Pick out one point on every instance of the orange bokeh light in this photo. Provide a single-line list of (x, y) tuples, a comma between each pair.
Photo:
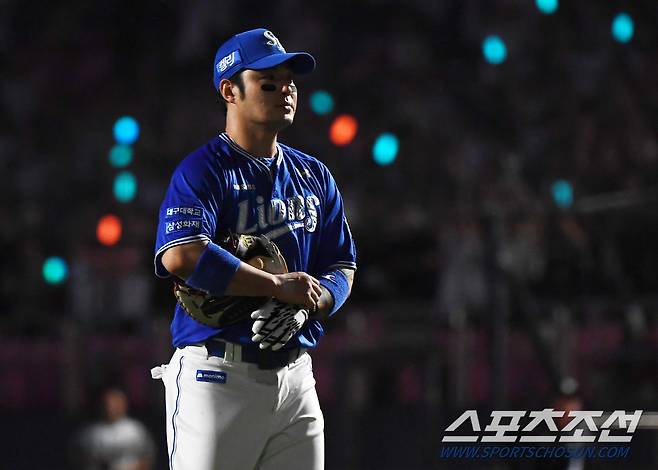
[(343, 129), (108, 230)]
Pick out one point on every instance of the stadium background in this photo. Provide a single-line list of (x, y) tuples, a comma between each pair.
[(507, 254)]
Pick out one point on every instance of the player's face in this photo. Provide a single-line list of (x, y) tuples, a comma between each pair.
[(270, 97)]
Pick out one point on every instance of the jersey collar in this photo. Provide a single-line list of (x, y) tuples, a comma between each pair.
[(242, 152)]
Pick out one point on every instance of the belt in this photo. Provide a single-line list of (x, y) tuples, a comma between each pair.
[(265, 358)]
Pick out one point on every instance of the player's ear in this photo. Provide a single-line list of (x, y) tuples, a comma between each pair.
[(226, 89)]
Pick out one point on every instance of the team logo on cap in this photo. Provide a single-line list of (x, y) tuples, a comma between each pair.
[(228, 61), (273, 41)]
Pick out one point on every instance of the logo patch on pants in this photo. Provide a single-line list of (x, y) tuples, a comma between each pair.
[(213, 376)]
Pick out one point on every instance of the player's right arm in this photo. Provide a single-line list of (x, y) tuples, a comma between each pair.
[(294, 288)]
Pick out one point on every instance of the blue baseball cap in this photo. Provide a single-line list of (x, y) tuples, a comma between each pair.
[(256, 49)]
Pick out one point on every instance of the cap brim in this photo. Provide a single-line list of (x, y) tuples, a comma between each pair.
[(300, 62)]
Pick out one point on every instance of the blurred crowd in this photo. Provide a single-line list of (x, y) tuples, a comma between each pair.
[(480, 144)]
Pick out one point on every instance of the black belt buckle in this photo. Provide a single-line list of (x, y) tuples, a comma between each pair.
[(268, 360), (216, 348)]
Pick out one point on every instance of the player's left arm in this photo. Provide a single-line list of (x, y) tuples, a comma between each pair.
[(336, 262), (326, 302)]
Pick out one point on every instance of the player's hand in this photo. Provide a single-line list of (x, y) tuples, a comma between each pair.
[(276, 323), (298, 288)]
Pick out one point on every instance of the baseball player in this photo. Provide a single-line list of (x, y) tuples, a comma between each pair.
[(242, 395)]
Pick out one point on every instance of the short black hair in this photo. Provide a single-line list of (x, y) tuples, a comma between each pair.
[(238, 79)]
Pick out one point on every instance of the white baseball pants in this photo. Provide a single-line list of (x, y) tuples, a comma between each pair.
[(229, 415)]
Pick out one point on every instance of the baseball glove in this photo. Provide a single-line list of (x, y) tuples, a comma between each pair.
[(218, 312)]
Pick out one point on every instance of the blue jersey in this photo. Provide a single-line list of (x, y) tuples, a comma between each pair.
[(292, 200)]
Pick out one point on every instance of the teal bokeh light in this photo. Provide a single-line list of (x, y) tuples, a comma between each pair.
[(494, 49), (562, 193), (125, 186), (126, 130), (385, 149), (55, 270), (623, 27), (121, 156), (548, 7), (322, 102)]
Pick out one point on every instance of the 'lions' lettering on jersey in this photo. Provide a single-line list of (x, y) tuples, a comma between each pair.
[(295, 212), (293, 201)]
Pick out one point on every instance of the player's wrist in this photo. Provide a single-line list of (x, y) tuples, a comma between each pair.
[(274, 284), (336, 288), (214, 271), (323, 307)]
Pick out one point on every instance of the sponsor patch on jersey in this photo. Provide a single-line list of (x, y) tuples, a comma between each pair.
[(303, 173), (180, 210), (213, 376), (182, 225), (244, 187)]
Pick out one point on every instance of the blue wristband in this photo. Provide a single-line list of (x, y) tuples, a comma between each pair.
[(336, 283), (214, 270)]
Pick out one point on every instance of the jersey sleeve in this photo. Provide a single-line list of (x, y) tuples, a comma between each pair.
[(189, 210), (337, 249)]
